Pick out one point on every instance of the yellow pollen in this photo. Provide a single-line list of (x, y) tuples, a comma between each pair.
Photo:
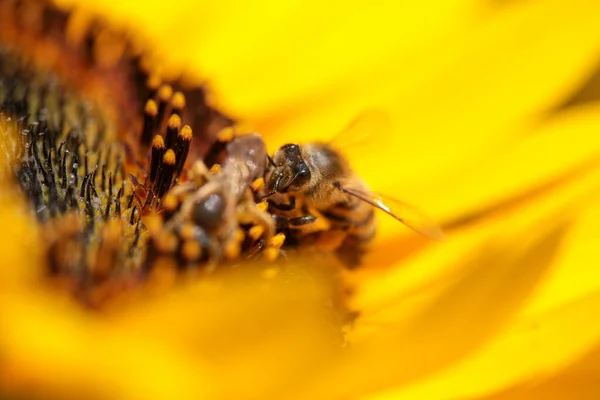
[(226, 135), (263, 205), (258, 184), (232, 250), (151, 108), (153, 223), (186, 132), (271, 253), (215, 168), (256, 231), (174, 121), (153, 82), (277, 240), (166, 242), (158, 142), (169, 157), (178, 100), (191, 250), (187, 231), (170, 202), (165, 92), (239, 235)]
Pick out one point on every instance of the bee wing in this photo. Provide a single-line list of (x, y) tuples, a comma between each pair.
[(372, 123), (409, 215)]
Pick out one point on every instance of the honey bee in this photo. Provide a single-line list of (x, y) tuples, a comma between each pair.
[(317, 198), (204, 215)]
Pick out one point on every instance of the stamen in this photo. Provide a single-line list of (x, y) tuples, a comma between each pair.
[(158, 152), (173, 127), (164, 95), (150, 117), (182, 147), (165, 175)]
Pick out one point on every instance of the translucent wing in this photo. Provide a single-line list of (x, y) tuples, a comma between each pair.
[(409, 215), (371, 126)]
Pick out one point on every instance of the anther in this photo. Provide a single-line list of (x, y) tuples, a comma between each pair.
[(256, 232), (153, 83), (178, 103)]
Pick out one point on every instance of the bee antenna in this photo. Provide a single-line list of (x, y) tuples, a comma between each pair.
[(271, 161)]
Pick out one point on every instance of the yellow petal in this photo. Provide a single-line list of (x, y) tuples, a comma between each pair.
[(539, 158), (530, 350), (233, 335)]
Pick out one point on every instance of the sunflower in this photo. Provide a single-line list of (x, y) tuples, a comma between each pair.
[(494, 113)]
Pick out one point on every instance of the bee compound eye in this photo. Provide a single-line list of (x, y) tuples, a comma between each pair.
[(208, 212)]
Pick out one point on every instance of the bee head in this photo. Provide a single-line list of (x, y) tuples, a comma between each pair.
[(289, 172)]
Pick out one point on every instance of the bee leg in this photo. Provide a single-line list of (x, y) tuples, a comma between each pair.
[(215, 255), (280, 222), (273, 249), (304, 220), (249, 213)]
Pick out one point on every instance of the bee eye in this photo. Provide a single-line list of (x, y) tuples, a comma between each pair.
[(303, 171)]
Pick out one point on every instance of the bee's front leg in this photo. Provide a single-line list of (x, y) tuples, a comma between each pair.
[(304, 220), (282, 222)]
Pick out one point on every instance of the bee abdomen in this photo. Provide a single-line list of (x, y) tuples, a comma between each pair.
[(350, 220)]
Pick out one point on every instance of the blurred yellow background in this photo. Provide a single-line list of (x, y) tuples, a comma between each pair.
[(495, 132)]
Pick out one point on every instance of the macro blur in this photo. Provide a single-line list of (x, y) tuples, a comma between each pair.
[(172, 228)]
